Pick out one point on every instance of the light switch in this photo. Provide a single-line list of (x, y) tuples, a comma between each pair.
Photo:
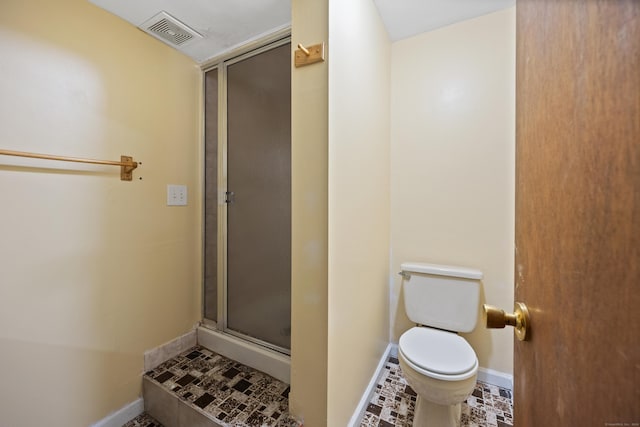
[(176, 195)]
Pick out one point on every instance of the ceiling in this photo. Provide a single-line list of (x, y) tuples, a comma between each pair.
[(406, 18), (223, 24), (215, 27)]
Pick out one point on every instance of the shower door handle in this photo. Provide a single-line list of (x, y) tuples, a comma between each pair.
[(229, 197)]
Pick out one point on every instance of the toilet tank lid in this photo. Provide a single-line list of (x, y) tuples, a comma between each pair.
[(441, 270)]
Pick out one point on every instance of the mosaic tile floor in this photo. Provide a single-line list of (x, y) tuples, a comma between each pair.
[(234, 394), (144, 420), (393, 403), (239, 396)]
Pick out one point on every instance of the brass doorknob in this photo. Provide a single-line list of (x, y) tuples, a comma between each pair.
[(497, 318)]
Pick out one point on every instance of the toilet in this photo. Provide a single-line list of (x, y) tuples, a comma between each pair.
[(438, 364)]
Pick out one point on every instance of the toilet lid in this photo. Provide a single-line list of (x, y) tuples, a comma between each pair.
[(437, 351)]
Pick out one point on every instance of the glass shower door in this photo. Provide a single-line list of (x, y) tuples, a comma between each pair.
[(258, 294)]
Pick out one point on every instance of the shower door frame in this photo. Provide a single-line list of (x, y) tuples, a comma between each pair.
[(220, 325)]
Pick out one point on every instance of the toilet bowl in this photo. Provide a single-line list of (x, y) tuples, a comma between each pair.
[(442, 369), (437, 363)]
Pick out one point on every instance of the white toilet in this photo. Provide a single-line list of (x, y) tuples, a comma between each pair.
[(438, 364)]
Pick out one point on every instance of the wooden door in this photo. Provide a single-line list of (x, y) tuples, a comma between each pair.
[(578, 212)]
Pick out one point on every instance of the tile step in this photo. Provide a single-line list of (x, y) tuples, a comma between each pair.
[(170, 410), (200, 388)]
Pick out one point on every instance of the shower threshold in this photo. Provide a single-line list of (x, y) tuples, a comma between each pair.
[(269, 361)]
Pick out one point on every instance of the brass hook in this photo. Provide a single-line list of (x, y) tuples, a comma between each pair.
[(304, 49), (309, 55)]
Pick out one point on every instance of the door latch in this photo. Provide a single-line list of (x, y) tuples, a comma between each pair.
[(229, 197), (519, 319)]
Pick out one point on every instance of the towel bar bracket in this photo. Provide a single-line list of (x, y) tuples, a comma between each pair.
[(126, 170)]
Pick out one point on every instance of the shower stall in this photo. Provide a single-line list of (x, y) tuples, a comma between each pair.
[(247, 207)]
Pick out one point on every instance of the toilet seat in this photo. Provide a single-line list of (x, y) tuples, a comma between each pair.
[(438, 354)]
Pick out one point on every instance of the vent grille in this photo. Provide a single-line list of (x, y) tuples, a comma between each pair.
[(169, 29)]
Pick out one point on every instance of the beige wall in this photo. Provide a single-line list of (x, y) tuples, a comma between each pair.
[(309, 175), (359, 207), (452, 162), (445, 195), (93, 270), (78, 306), (340, 257)]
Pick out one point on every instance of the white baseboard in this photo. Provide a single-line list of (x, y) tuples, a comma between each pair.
[(356, 418), (122, 415), (496, 378)]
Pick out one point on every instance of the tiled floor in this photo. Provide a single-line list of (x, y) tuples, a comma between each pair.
[(239, 396), (394, 401), (144, 420), (232, 393)]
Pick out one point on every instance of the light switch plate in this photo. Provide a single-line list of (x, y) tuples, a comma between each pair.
[(176, 195)]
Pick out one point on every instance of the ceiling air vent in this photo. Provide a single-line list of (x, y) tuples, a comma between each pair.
[(169, 29)]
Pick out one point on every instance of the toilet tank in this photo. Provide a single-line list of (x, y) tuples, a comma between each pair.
[(442, 296)]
